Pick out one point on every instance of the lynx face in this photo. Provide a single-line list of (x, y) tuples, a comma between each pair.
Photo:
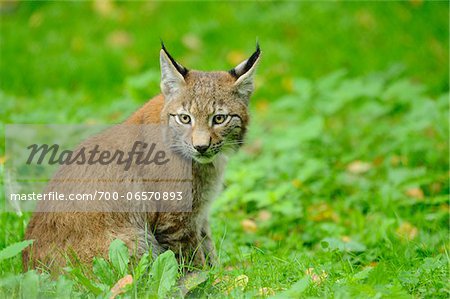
[(206, 112)]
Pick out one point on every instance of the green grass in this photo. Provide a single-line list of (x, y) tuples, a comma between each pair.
[(342, 190)]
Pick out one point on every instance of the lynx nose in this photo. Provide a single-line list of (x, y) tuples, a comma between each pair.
[(201, 148)]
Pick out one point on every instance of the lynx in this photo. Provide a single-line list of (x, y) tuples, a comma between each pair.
[(207, 113)]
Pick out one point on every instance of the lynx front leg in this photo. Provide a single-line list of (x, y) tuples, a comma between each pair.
[(208, 244), (191, 250), (186, 244), (139, 241), (147, 243)]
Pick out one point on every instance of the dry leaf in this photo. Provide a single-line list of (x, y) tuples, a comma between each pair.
[(119, 39), (416, 2), (278, 237), (241, 281), (7, 6), (119, 287), (223, 279), (358, 167), (253, 148), (2, 160), (77, 44), (345, 239), (407, 231), (415, 192), (288, 84), (322, 212), (190, 281), (264, 215), (91, 121), (262, 106), (379, 160), (297, 183), (115, 115), (396, 160), (266, 291), (133, 62), (436, 187), (235, 57), (365, 19), (444, 207), (191, 41), (104, 7), (35, 20), (249, 225), (318, 279)]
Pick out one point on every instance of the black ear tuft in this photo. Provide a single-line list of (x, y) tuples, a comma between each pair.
[(251, 61), (232, 72), (239, 71), (181, 69)]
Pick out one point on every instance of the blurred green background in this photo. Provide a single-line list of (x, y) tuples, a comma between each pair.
[(91, 49), (345, 176)]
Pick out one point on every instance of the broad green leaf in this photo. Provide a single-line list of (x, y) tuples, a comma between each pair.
[(363, 274), (30, 285), (11, 281), (141, 85), (119, 256), (142, 266), (330, 81), (64, 287), (296, 290), (336, 244), (14, 249), (163, 274), (102, 269), (86, 282), (311, 168), (191, 280), (310, 129)]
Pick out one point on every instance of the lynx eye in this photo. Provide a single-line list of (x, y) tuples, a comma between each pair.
[(219, 119), (184, 118)]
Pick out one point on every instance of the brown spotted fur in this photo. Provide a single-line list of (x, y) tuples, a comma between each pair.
[(187, 234)]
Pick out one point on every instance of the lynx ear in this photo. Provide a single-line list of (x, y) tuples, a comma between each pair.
[(172, 74), (244, 73)]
